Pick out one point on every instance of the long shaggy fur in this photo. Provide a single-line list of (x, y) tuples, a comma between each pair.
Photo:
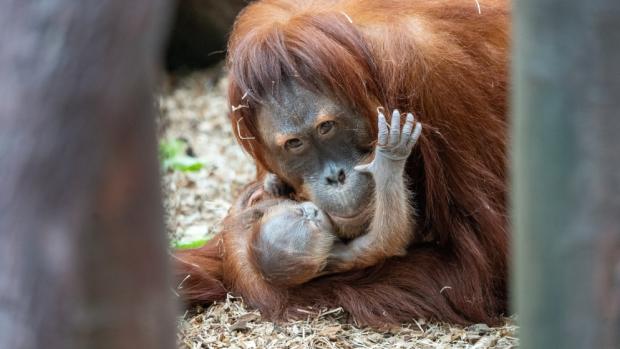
[(446, 62)]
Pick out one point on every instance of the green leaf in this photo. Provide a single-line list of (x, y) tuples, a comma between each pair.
[(184, 245), (172, 155), (171, 148), (183, 163)]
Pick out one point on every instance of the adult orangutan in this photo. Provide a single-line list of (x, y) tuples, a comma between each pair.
[(305, 81)]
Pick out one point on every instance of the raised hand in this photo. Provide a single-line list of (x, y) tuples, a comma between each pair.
[(393, 146), (274, 186)]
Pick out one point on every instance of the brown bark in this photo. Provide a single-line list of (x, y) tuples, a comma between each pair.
[(567, 173), (82, 249)]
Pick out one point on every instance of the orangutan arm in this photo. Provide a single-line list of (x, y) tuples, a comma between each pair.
[(391, 228)]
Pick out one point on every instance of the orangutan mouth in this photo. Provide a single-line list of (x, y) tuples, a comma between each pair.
[(350, 226)]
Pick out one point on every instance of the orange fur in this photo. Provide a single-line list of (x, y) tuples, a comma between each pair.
[(447, 63)]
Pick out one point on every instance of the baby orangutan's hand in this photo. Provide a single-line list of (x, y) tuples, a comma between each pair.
[(393, 148)]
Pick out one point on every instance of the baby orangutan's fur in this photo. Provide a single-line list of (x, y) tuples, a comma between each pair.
[(290, 242)]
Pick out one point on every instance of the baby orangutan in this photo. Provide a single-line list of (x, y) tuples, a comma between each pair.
[(294, 242)]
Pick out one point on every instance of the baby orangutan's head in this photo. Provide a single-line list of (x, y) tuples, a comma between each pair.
[(291, 242)]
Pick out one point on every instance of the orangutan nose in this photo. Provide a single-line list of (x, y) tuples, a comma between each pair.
[(336, 177)]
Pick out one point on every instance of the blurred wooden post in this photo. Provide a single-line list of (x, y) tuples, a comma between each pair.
[(566, 172), (82, 249)]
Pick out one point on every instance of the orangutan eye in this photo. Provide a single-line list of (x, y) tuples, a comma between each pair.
[(325, 127), (293, 143)]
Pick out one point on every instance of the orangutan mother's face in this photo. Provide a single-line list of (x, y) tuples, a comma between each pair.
[(313, 143)]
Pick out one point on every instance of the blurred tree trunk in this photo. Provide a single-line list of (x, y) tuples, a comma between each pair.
[(82, 249), (200, 31), (566, 175)]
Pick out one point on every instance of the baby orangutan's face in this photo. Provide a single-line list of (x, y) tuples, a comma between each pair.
[(294, 243), (296, 225)]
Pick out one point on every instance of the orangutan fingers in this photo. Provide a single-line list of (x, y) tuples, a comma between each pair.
[(415, 135), (394, 129), (365, 168), (382, 138), (404, 137)]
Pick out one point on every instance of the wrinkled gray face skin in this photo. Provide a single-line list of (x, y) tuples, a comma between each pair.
[(313, 143), (300, 228)]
